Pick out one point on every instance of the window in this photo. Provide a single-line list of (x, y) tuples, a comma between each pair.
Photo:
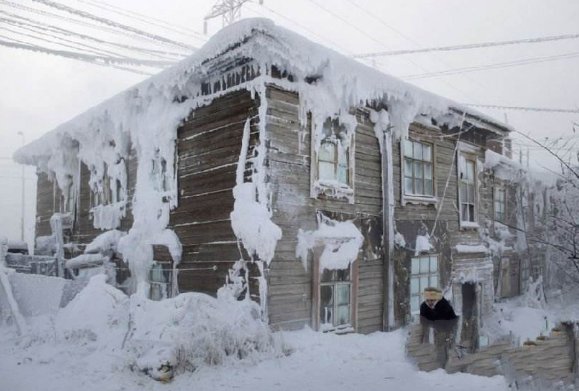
[(332, 168), (467, 186), (335, 299), (333, 161), (423, 273), (418, 169), (160, 282), (500, 205)]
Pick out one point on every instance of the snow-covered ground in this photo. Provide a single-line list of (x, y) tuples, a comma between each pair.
[(318, 362), (92, 344), (105, 340)]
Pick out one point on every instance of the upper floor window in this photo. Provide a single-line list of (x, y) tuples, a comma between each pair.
[(467, 187), (418, 169), (333, 161), (332, 167), (499, 201)]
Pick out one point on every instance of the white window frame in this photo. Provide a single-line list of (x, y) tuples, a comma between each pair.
[(332, 188), (416, 197), (468, 152), (335, 285), (497, 201), (419, 274)]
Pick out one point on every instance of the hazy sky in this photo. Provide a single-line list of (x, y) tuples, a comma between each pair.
[(40, 91)]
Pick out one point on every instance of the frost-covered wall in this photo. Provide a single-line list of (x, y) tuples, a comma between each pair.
[(147, 117)]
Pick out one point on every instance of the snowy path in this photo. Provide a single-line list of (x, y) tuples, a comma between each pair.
[(319, 362)]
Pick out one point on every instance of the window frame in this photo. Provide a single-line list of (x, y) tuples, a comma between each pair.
[(429, 274), (415, 197), (339, 190), (316, 295), (496, 191), (469, 156)]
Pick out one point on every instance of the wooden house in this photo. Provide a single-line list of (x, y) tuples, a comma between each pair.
[(327, 191)]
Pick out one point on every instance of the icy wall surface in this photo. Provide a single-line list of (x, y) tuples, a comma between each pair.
[(146, 117)]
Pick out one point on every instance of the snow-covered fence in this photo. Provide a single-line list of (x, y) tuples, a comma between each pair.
[(546, 360), (32, 264)]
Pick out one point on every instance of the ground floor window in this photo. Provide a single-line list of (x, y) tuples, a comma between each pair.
[(335, 299), (423, 273), (160, 282)]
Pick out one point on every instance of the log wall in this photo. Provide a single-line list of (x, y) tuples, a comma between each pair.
[(289, 151)]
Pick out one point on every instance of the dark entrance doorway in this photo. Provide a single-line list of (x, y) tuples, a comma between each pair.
[(469, 335)]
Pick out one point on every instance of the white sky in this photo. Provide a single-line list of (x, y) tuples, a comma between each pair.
[(40, 91)]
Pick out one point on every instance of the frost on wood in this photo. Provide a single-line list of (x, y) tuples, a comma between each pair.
[(503, 167), (251, 215), (142, 123), (423, 244), (340, 240)]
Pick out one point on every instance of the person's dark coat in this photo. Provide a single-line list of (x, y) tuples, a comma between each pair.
[(441, 311)]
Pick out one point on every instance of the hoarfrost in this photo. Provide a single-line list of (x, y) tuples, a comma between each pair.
[(144, 120), (341, 242)]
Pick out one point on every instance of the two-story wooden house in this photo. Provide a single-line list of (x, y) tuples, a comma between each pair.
[(266, 166)]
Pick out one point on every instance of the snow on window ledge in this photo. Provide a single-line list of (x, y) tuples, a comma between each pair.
[(471, 249), (469, 225), (419, 200), (332, 189)]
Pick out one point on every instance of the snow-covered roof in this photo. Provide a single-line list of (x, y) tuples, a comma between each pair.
[(354, 84)]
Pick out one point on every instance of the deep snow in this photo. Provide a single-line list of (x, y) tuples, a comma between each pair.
[(105, 340)]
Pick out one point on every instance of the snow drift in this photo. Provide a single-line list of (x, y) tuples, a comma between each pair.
[(183, 333)]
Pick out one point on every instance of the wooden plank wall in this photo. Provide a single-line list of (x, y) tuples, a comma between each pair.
[(44, 204), (290, 284), (209, 144), (47, 203), (412, 217)]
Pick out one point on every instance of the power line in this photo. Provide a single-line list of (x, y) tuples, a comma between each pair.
[(522, 108), (526, 61), (88, 15), (469, 46), (413, 41), (85, 23), (114, 62), (144, 18), (329, 11), (21, 20), (71, 44)]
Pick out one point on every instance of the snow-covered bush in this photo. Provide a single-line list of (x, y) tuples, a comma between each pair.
[(194, 329), (181, 333)]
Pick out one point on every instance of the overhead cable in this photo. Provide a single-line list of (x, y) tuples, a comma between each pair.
[(525, 61), (100, 60), (109, 22), (82, 22), (522, 108), (24, 21), (469, 46), (144, 18)]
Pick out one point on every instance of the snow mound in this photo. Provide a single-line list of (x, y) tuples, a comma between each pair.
[(174, 335), (98, 313), (193, 330)]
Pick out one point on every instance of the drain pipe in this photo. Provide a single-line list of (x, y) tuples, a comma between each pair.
[(388, 229)]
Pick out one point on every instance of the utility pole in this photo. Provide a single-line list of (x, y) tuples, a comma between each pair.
[(22, 199), (229, 10)]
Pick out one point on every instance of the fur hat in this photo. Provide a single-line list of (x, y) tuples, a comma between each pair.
[(431, 293)]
